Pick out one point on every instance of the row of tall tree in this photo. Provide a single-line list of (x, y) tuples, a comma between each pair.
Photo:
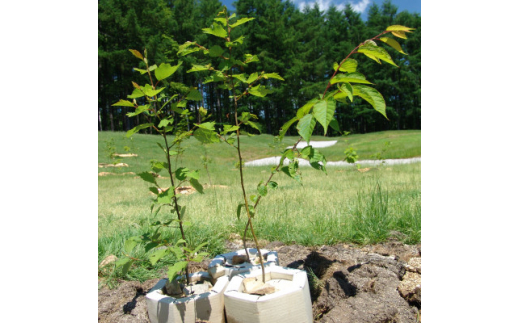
[(301, 46)]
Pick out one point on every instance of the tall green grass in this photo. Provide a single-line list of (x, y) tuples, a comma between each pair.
[(343, 206)]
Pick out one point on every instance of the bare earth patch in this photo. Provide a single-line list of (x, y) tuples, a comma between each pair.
[(371, 284)]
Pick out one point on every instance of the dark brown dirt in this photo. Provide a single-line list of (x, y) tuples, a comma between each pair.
[(348, 284)]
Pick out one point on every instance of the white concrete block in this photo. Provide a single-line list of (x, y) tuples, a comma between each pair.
[(208, 305)]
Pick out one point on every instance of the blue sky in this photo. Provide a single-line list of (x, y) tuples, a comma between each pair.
[(360, 6)]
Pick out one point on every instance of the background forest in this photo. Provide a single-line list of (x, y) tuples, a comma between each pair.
[(301, 46)]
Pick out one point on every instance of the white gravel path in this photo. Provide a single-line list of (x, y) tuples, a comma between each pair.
[(315, 144), (276, 160)]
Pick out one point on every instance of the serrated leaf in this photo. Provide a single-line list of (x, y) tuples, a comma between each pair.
[(166, 196), (206, 136), (348, 90), (140, 109), (259, 90), (335, 125), (272, 76), (174, 270), (306, 126), (135, 94), (229, 128), (198, 68), (215, 51), (393, 43), (240, 22), (165, 70), (223, 21), (399, 28), (140, 70), (126, 263), (194, 95), (262, 190), (250, 58), (350, 78), (349, 66), (375, 51), (157, 255), (305, 109), (136, 53), (196, 185), (130, 244), (216, 30), (150, 92), (286, 127), (372, 96), (400, 34), (165, 122), (253, 125), (272, 185), (181, 173), (123, 103), (130, 132), (148, 177), (193, 174), (252, 78), (323, 111)]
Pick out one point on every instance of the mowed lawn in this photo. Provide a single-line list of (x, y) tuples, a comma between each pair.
[(347, 204)]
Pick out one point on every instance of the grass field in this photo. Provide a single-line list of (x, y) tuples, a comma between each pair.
[(343, 206)]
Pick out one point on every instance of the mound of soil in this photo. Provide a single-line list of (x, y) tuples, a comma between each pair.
[(371, 284)]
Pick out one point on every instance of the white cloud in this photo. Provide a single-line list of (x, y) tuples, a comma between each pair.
[(360, 6)]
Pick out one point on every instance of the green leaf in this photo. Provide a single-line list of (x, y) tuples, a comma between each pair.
[(240, 77), (252, 78), (349, 66), (372, 96), (206, 136), (157, 255), (123, 103), (194, 174), (393, 43), (229, 128), (223, 21), (215, 51), (196, 185), (323, 111), (126, 263), (250, 58), (150, 246), (150, 92), (131, 243), (262, 190), (181, 173), (305, 109), (286, 127), (335, 125), (130, 132), (272, 185), (350, 78), (377, 52), (165, 70), (253, 125), (272, 76), (348, 90), (136, 53), (259, 90), (306, 126), (135, 94), (148, 177), (239, 209), (140, 109), (166, 197), (240, 22), (198, 68), (165, 122), (174, 270), (194, 95), (216, 30), (140, 70), (207, 125), (399, 28)]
